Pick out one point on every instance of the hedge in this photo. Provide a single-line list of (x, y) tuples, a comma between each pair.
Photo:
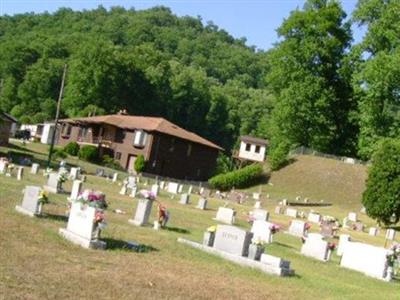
[(239, 179), (72, 148), (88, 153)]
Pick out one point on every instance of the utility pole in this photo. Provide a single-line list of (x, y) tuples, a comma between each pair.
[(53, 137)]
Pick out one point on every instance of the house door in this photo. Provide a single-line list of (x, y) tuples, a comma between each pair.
[(131, 163)]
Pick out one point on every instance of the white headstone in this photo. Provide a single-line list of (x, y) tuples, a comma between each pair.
[(390, 234), (52, 183), (256, 196), (20, 173), (278, 210), (142, 213), (76, 189), (257, 204), (373, 231), (225, 215), (291, 212), (261, 230), (162, 185), (185, 199), (352, 217), (368, 259), (133, 192), (343, 240), (274, 261), (35, 168), (232, 239), (260, 214), (3, 166), (30, 204), (297, 228), (190, 189), (180, 188), (316, 247), (115, 177), (314, 218), (202, 204), (131, 182), (173, 187), (124, 188), (155, 189), (74, 173)]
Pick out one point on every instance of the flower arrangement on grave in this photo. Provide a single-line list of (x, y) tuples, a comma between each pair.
[(147, 194), (331, 246), (258, 242), (328, 219), (47, 172), (209, 236), (307, 226), (93, 199), (394, 255), (43, 197), (10, 168), (212, 229), (62, 177), (274, 228)]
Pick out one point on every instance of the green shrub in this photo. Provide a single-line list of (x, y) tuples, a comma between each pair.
[(88, 153), (72, 148), (140, 164), (59, 153), (110, 162), (278, 156), (239, 179)]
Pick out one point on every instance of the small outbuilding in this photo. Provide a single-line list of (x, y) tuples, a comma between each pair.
[(252, 148), (6, 125)]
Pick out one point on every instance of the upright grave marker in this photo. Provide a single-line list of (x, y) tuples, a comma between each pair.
[(232, 239), (225, 215), (52, 185), (261, 231), (260, 214), (185, 199), (202, 204), (143, 211), (35, 168), (173, 188), (297, 228), (291, 212), (155, 189), (20, 173), (316, 247), (76, 189), (30, 203), (74, 173)]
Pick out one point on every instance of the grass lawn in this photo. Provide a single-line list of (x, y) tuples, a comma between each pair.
[(36, 263)]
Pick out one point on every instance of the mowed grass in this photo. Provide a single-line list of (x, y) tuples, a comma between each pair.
[(36, 263)]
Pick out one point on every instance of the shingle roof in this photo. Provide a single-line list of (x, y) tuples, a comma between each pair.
[(9, 117), (147, 124), (254, 140)]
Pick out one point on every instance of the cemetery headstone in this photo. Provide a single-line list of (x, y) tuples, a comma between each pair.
[(202, 204), (314, 218), (162, 185), (327, 229), (124, 188), (80, 227), (352, 217), (368, 259), (261, 231), (20, 173), (142, 213), (74, 173), (256, 196), (297, 228), (225, 215), (180, 188), (173, 188), (232, 239), (390, 234), (35, 168), (275, 261), (190, 189), (115, 177), (185, 198), (260, 214), (100, 172), (291, 212), (52, 185), (278, 210), (257, 204), (30, 203), (133, 192), (373, 231), (316, 247), (76, 189), (131, 182), (205, 193), (3, 166), (155, 189), (343, 239)]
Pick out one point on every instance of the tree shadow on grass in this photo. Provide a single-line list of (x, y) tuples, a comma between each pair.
[(61, 218), (114, 244), (177, 229)]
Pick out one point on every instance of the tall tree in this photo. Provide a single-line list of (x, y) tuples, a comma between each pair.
[(377, 80), (310, 82)]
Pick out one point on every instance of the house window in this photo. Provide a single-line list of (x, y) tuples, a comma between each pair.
[(140, 138), (119, 135), (258, 148), (189, 150), (248, 147), (117, 155)]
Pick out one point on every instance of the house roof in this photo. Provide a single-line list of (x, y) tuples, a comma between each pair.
[(145, 123), (253, 140), (9, 117)]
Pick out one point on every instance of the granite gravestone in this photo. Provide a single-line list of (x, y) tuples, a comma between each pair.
[(52, 185), (124, 188), (278, 210), (314, 218), (20, 173), (115, 177), (368, 259), (131, 182), (261, 231), (225, 215), (155, 189), (185, 199), (260, 214), (343, 239), (316, 247), (390, 234), (291, 212), (30, 204), (373, 231), (76, 189), (80, 227), (232, 239), (143, 211), (35, 168), (74, 173), (202, 204), (3, 166), (352, 217), (297, 228), (173, 188)]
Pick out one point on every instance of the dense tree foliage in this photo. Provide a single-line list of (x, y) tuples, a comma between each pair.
[(149, 62), (377, 80), (382, 196), (310, 80)]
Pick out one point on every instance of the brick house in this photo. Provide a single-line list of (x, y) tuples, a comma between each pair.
[(169, 150), (6, 124)]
